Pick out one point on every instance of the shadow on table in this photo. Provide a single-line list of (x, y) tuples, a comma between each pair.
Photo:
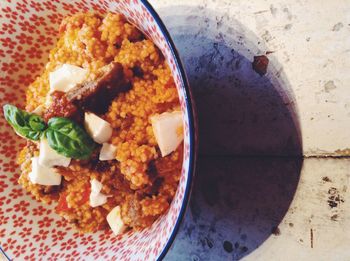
[(237, 203)]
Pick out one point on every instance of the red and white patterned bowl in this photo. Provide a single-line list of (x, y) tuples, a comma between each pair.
[(29, 230)]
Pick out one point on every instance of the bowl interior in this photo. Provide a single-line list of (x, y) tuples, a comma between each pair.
[(28, 229)]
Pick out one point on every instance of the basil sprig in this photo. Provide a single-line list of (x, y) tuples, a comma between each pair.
[(25, 124), (63, 135)]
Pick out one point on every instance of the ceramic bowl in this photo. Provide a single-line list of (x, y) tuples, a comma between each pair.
[(30, 230)]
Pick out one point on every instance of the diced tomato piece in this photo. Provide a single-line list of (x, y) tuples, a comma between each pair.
[(86, 195), (62, 205)]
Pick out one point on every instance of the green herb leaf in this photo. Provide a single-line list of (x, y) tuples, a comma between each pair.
[(69, 139), (25, 124), (64, 135)]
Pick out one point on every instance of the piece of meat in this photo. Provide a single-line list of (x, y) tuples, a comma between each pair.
[(96, 96)]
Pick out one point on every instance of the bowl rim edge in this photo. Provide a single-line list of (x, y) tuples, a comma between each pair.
[(192, 126)]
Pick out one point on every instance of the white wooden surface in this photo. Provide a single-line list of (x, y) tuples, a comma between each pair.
[(310, 41), (301, 106)]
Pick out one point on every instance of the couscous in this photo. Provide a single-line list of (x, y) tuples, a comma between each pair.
[(119, 164)]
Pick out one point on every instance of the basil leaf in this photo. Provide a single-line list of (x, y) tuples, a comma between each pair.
[(69, 139), (36, 123), (25, 124)]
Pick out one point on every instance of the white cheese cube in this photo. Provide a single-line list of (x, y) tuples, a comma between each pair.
[(96, 186), (115, 221), (43, 175), (48, 157), (108, 152), (66, 77), (98, 200), (96, 197), (99, 129), (168, 130)]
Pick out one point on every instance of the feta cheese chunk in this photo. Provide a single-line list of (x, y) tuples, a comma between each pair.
[(99, 129), (43, 175), (96, 186), (168, 130), (48, 157), (66, 77), (115, 221), (108, 152), (96, 197)]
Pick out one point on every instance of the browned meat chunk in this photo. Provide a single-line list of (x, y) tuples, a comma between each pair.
[(94, 96), (97, 95), (132, 213)]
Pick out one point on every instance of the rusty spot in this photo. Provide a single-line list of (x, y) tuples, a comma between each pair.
[(260, 64), (326, 179), (311, 238), (334, 198)]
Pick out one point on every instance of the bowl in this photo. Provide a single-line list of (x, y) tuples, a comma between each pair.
[(30, 230)]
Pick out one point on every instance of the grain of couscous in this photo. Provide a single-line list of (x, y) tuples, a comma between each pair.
[(126, 82)]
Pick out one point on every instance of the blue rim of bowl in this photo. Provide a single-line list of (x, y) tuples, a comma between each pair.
[(2, 252), (189, 106), (190, 109)]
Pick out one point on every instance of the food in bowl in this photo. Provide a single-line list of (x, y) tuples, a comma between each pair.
[(103, 126)]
